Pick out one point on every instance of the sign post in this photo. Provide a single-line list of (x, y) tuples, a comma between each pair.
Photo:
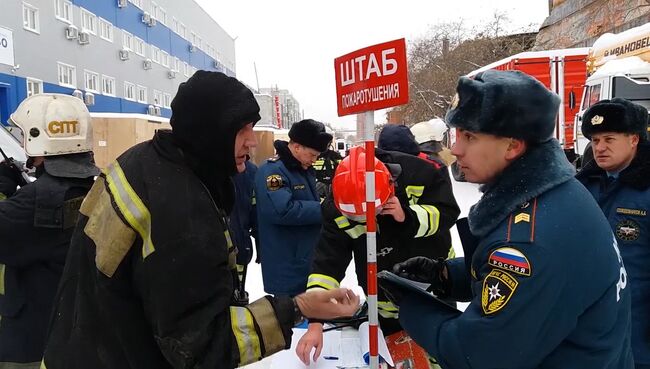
[(369, 79)]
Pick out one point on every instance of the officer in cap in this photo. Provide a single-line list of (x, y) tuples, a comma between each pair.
[(542, 272), (37, 220), (619, 180), (288, 208)]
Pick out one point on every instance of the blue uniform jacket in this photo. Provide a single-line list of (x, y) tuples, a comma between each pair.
[(626, 203), (289, 221), (547, 285), (243, 218)]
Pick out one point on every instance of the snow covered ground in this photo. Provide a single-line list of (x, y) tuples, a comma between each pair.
[(466, 195)]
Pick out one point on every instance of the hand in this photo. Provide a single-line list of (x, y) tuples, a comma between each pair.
[(312, 339), (422, 269), (393, 207), (328, 304)]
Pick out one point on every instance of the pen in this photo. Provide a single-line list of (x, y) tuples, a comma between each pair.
[(330, 358)]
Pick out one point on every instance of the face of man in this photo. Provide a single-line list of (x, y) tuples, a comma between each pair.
[(244, 142), (305, 155), (482, 157), (613, 151)]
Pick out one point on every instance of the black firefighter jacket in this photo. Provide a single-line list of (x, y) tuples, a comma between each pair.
[(36, 224), (430, 208), (147, 282)]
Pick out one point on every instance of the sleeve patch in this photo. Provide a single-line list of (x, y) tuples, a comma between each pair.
[(510, 259), (273, 182), (498, 287)]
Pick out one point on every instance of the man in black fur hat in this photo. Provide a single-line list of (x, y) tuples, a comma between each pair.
[(148, 282), (543, 274), (288, 208), (619, 179)]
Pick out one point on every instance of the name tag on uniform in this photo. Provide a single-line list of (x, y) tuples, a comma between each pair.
[(299, 187), (638, 212)]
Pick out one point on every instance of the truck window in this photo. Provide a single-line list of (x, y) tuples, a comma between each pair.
[(635, 90), (340, 145), (594, 94)]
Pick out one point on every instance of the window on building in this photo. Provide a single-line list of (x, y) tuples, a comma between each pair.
[(182, 31), (30, 18), (186, 69), (129, 91), (127, 40), (108, 86), (176, 64), (91, 81), (142, 94), (138, 44), (155, 54), (67, 75), (193, 38), (63, 10), (167, 100), (174, 24), (164, 59), (34, 86), (137, 3), (199, 43), (162, 16), (88, 21), (105, 30), (154, 10), (157, 98)]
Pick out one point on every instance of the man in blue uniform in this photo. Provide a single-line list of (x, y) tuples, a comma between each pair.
[(37, 220), (546, 282), (619, 180), (288, 208)]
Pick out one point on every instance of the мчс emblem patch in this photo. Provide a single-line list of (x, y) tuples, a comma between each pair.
[(498, 287), (273, 182), (628, 230), (511, 260)]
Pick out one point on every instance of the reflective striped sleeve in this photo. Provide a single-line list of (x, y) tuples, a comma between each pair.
[(257, 331), (428, 218)]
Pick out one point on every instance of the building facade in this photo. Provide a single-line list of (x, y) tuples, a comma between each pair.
[(119, 56), (278, 108)]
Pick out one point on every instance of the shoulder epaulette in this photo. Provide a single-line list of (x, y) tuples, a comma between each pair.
[(521, 223)]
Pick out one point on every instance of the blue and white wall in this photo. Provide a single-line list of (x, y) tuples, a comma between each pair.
[(127, 65)]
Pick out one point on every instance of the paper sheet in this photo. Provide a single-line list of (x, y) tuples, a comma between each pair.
[(288, 359)]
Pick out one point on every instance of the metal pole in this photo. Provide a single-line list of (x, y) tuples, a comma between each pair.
[(371, 238)]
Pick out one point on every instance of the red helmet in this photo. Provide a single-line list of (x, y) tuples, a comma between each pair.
[(349, 183)]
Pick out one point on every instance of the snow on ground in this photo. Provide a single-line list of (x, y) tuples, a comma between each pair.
[(466, 194)]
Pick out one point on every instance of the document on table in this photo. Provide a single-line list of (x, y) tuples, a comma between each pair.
[(288, 359)]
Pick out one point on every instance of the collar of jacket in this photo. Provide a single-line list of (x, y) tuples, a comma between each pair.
[(219, 185), (282, 148), (541, 168), (636, 175)]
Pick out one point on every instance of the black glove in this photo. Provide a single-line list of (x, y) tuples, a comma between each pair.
[(10, 178), (422, 269)]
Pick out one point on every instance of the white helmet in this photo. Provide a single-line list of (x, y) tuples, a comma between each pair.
[(54, 124), (430, 130)]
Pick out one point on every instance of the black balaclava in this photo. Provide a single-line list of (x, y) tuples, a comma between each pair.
[(207, 112)]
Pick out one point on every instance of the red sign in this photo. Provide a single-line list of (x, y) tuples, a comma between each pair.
[(372, 78), (278, 116)]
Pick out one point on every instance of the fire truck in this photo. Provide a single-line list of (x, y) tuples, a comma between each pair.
[(561, 71)]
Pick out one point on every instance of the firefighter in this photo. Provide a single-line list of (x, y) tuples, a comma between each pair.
[(542, 270), (37, 220), (415, 202), (619, 180), (147, 282), (325, 166), (288, 208), (430, 136)]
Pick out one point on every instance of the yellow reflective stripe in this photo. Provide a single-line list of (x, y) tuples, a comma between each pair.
[(342, 222), (414, 193), (43, 364), (267, 321), (130, 205), (246, 336), (356, 231), (322, 280), (253, 199), (452, 253), (2, 196), (434, 219), (2, 279), (387, 309), (228, 239), (240, 268), (423, 220)]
